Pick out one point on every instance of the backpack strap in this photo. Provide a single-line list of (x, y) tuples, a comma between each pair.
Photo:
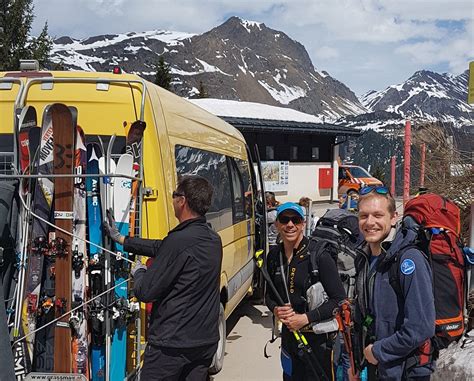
[(394, 274), (315, 249)]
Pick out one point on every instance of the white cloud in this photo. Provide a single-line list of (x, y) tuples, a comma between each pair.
[(364, 43), (326, 52)]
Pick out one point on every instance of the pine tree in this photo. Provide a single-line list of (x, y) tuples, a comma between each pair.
[(41, 47), (163, 74), (16, 18)]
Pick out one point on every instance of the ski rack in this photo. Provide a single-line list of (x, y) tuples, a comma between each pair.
[(20, 102)]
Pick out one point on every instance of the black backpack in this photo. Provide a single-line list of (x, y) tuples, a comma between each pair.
[(337, 232)]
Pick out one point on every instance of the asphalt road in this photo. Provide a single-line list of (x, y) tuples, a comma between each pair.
[(248, 329)]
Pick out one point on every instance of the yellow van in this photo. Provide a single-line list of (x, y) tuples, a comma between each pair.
[(180, 138)]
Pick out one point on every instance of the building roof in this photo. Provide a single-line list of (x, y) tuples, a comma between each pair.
[(257, 117), (269, 125)]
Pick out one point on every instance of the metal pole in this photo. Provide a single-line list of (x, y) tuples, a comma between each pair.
[(406, 167), (392, 175), (422, 169), (470, 284)]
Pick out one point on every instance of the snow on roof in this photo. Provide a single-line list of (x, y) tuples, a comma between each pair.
[(237, 109)]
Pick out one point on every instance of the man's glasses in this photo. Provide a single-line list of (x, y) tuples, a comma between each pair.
[(285, 219), (378, 189), (177, 194)]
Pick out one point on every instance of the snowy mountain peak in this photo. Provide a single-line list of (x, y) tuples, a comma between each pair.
[(237, 60), (249, 25), (426, 95)]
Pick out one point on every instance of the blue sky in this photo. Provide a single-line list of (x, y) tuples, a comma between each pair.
[(366, 44)]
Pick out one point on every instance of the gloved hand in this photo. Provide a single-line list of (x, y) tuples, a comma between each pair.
[(110, 228), (137, 266)]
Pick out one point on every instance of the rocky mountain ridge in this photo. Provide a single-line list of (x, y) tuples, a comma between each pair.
[(247, 61), (425, 96), (238, 60)]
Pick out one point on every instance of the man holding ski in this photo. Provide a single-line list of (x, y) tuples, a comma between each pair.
[(396, 326), (290, 272), (183, 285)]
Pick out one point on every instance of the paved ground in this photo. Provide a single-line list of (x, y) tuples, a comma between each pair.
[(248, 329)]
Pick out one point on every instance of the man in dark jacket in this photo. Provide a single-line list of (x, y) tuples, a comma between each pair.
[(183, 285), (288, 265), (398, 325)]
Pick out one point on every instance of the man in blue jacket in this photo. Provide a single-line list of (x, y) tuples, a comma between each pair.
[(398, 323)]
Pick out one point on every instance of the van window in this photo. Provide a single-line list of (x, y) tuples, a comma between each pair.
[(243, 167), (238, 196), (213, 167)]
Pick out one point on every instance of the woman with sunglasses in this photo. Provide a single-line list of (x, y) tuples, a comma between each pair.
[(288, 265)]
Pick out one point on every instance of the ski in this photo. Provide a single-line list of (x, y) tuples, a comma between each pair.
[(78, 320), (106, 167), (27, 123), (61, 245), (38, 242), (121, 202), (96, 265), (134, 148)]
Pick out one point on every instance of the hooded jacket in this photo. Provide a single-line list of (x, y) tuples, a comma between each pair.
[(402, 322)]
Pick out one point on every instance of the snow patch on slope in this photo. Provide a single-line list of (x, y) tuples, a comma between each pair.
[(285, 94), (210, 68), (248, 25), (168, 37)]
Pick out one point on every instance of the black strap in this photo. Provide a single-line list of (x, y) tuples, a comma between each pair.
[(315, 249)]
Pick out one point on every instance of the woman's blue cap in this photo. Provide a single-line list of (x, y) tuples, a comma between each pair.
[(290, 206)]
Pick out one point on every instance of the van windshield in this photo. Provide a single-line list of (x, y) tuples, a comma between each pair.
[(359, 172)]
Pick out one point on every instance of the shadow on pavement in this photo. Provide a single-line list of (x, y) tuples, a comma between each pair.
[(248, 307)]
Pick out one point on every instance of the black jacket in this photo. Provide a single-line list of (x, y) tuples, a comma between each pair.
[(183, 284), (298, 280)]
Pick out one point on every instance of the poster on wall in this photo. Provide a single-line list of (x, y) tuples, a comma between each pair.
[(275, 175)]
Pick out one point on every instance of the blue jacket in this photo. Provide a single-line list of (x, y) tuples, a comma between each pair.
[(404, 322)]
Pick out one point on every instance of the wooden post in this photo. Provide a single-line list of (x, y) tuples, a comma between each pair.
[(406, 166)]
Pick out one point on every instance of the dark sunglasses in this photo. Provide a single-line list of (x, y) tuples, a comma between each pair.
[(380, 189), (177, 194), (285, 219)]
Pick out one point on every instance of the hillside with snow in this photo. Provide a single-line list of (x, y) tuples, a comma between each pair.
[(426, 96), (238, 60), (246, 61)]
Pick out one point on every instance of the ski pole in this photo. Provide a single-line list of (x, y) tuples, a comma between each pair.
[(299, 337)]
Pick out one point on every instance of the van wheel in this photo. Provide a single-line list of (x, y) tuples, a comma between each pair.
[(218, 360)]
